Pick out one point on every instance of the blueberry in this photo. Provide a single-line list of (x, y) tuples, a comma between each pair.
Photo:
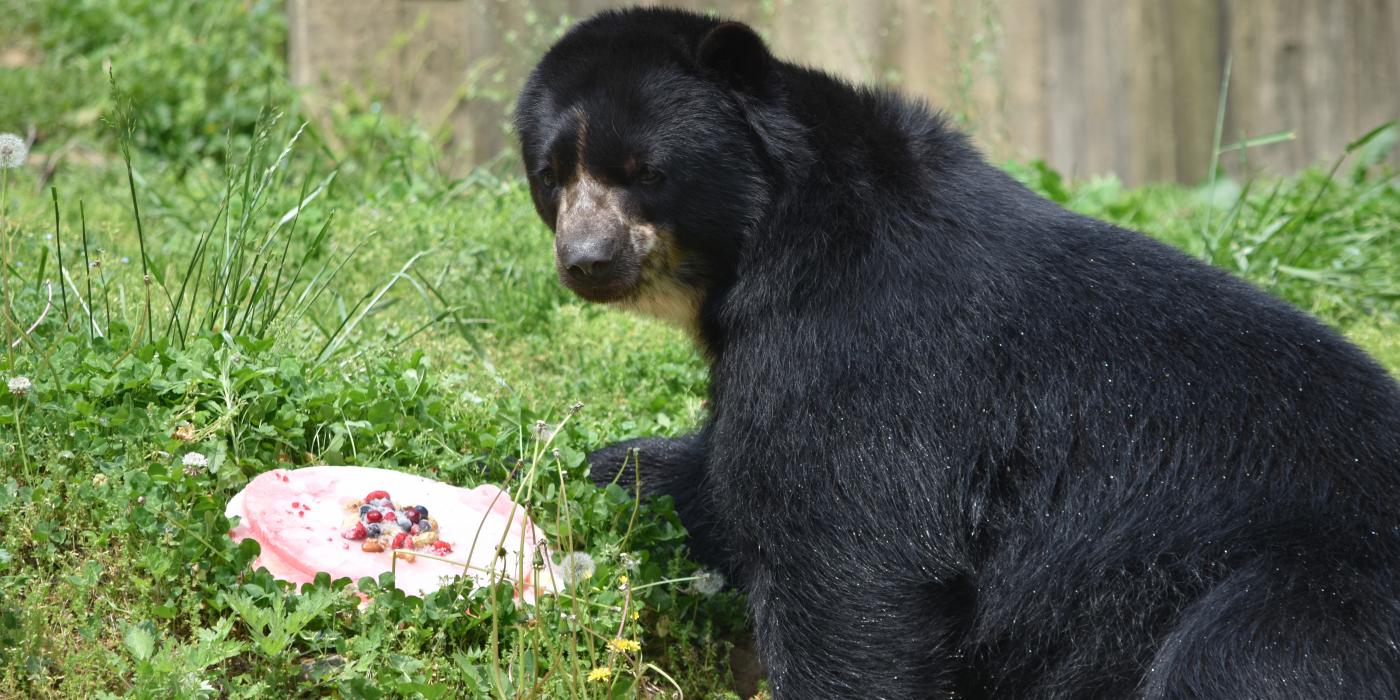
[(404, 523), (364, 509), (424, 525), (422, 512), (372, 530)]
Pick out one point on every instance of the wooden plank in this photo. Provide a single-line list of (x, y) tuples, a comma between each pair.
[(1194, 30), (1092, 86)]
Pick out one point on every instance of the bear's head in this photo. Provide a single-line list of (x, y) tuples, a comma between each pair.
[(640, 140)]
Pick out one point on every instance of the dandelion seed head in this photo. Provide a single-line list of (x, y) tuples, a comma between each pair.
[(543, 431), (13, 151), (576, 567), (20, 386), (709, 583)]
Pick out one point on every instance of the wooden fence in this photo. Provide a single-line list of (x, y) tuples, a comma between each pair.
[(1129, 87)]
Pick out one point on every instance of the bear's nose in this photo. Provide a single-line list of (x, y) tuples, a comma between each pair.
[(589, 258)]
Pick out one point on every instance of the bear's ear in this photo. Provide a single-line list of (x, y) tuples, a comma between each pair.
[(736, 54)]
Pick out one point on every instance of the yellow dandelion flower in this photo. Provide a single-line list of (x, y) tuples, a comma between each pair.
[(624, 645), (600, 674)]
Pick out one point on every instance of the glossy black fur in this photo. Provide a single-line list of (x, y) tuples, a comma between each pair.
[(963, 442)]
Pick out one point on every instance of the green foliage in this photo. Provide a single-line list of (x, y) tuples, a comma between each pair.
[(196, 71)]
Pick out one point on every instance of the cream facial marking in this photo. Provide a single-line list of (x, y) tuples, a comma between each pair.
[(659, 294), (587, 198)]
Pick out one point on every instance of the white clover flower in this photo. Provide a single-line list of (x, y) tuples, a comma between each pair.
[(99, 480), (576, 567), (195, 463), (709, 583), (20, 386), (13, 151)]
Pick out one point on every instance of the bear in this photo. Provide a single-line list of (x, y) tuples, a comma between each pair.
[(960, 441)]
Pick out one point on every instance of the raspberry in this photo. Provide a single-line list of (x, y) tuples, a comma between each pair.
[(442, 547), (399, 540), (355, 533), (376, 494), (374, 516)]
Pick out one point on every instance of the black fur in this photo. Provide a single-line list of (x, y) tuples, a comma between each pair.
[(963, 442)]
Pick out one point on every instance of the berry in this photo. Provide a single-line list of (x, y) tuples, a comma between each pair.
[(442, 547), (422, 512), (374, 516), (373, 530), (404, 523), (399, 540), (425, 526), (414, 530), (413, 515), (364, 509), (372, 495), (355, 533)]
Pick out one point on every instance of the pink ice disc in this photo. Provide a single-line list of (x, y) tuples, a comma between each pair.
[(297, 516)]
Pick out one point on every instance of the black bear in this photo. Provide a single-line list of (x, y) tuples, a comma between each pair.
[(962, 442)]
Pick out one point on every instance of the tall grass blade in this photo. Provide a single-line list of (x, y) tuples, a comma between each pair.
[(87, 268), (346, 327), (58, 242)]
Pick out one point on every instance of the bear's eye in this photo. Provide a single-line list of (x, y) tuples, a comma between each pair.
[(547, 177), (648, 175)]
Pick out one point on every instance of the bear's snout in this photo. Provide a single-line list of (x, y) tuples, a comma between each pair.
[(588, 259)]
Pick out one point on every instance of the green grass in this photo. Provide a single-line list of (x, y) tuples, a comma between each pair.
[(396, 319)]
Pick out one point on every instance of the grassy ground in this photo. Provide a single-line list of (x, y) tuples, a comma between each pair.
[(346, 305)]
